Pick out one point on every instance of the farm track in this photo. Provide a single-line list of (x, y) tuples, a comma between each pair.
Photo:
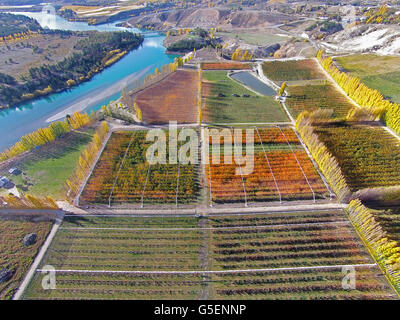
[(216, 228), (370, 265), (28, 277)]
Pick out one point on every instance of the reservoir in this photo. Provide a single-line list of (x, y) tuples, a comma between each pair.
[(253, 83)]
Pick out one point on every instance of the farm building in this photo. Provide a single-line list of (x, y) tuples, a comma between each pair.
[(6, 183), (15, 171)]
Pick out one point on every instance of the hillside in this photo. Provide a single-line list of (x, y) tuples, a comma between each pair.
[(12, 24), (40, 62), (381, 39), (210, 18)]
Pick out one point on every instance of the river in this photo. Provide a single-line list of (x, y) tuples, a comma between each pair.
[(100, 90)]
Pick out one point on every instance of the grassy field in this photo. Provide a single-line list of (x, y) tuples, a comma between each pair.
[(132, 177), (45, 170), (13, 255), (377, 72), (225, 243), (312, 97), (257, 38), (293, 70), (230, 109), (368, 156)]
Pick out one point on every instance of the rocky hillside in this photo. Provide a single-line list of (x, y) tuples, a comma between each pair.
[(210, 18), (381, 39)]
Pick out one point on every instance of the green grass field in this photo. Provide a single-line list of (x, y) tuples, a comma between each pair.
[(229, 109), (46, 169), (377, 72)]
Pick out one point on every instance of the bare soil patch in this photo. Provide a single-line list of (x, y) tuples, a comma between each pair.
[(173, 99)]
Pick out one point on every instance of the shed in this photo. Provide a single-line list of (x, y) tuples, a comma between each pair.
[(6, 183), (3, 181), (15, 171)]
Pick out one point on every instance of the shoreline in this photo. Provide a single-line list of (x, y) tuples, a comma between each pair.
[(78, 83), (82, 104)]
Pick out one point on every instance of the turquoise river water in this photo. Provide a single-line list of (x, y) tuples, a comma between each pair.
[(100, 90)]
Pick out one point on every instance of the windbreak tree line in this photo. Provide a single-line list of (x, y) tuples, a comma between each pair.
[(370, 99), (44, 135)]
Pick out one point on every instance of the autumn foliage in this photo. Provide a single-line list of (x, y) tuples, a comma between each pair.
[(45, 135), (385, 250), (225, 66), (370, 99), (123, 175), (87, 158), (227, 186)]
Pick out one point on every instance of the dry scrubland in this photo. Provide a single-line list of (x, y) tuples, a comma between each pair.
[(255, 37), (284, 240), (34, 52), (174, 98), (282, 169)]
